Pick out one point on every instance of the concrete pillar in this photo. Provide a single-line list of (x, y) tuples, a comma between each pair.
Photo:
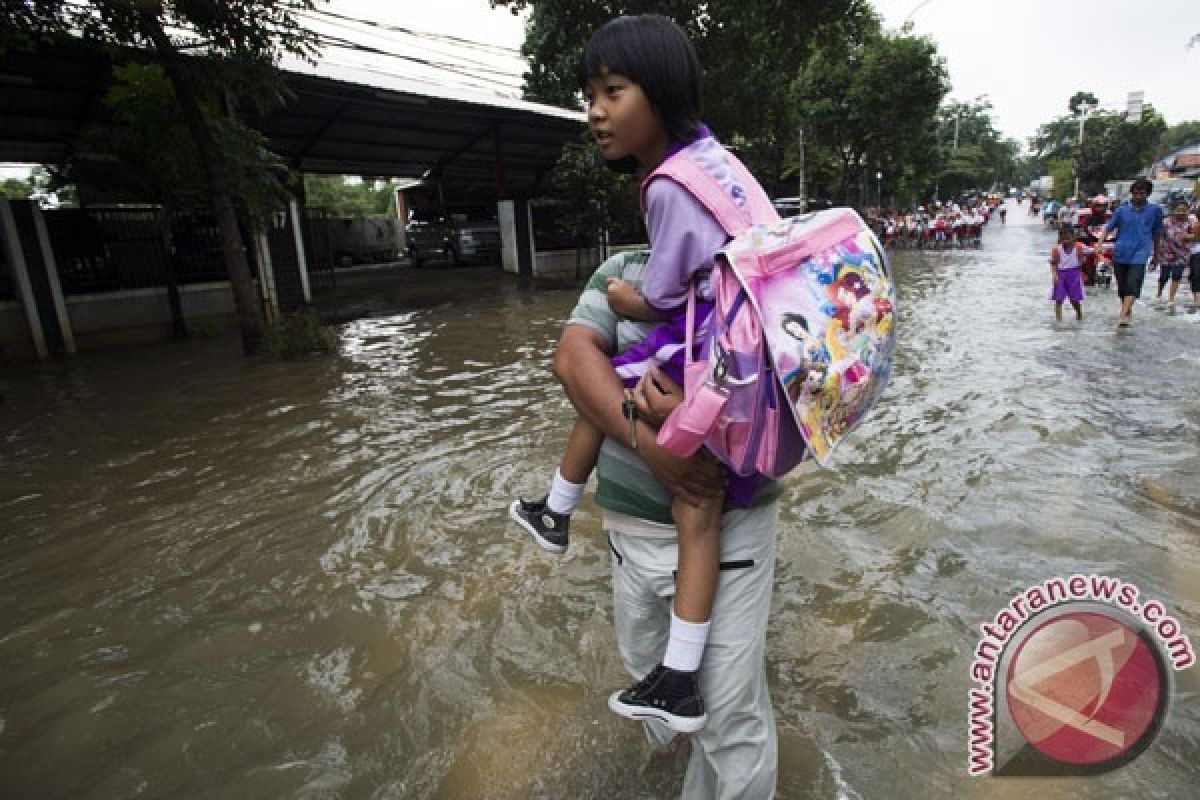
[(516, 236), (56, 292), (16, 259), (301, 257), (266, 275)]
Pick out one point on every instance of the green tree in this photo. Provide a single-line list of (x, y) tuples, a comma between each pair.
[(238, 48), (1177, 136), (591, 198), (344, 196), (867, 104), (1080, 99), (750, 49), (1062, 170), (1112, 146), (15, 189), (971, 151)]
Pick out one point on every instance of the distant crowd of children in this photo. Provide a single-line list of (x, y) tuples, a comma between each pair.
[(935, 226)]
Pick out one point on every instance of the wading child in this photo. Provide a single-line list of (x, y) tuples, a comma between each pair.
[(641, 79), (1066, 261)]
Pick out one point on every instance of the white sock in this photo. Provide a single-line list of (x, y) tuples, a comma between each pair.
[(564, 495), (685, 648)]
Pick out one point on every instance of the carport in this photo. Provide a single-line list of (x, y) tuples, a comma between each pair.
[(459, 144)]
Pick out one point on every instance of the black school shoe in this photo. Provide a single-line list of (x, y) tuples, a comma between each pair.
[(550, 530), (667, 695)]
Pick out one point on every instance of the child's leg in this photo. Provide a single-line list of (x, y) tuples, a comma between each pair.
[(699, 531), (548, 520), (670, 693), (1078, 309), (1058, 310), (578, 461)]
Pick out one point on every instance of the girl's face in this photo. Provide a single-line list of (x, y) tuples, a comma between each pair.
[(623, 120), (1181, 212)]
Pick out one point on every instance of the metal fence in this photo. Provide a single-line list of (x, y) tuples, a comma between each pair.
[(104, 250)]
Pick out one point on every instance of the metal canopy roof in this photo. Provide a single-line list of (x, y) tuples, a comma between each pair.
[(480, 146)]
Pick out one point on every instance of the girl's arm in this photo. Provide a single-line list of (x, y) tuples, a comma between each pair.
[(582, 365), (627, 302)]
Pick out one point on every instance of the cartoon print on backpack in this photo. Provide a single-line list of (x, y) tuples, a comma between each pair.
[(807, 378), (838, 305)]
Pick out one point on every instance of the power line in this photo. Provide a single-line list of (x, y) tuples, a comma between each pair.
[(393, 41), (424, 34), (457, 63), (345, 44)]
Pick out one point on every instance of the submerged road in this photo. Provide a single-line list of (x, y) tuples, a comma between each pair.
[(230, 579)]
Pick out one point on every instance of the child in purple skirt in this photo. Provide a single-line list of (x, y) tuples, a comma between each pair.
[(1066, 261)]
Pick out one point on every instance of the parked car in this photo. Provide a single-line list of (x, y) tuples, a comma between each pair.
[(456, 236)]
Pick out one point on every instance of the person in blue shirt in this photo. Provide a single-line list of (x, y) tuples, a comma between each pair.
[(1139, 227)]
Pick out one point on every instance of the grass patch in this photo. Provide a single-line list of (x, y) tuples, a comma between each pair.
[(297, 335)]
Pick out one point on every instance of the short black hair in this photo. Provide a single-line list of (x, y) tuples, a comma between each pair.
[(1142, 183), (655, 53)]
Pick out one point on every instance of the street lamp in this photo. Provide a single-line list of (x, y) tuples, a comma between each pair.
[(908, 20), (879, 190)]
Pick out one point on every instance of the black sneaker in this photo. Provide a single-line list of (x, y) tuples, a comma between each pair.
[(667, 695), (548, 529)]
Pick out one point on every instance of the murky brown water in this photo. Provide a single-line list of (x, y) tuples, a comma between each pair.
[(228, 579)]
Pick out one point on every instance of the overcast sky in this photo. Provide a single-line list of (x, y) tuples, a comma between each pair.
[(1027, 56), (1030, 56)]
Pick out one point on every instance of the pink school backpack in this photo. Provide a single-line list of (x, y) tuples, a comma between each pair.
[(799, 345)]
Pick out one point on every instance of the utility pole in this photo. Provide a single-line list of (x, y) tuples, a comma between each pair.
[(1084, 110)]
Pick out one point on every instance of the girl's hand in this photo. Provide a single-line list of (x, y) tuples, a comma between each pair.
[(623, 299)]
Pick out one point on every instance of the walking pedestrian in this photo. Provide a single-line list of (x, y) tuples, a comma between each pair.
[(1194, 267), (735, 755), (690, 604), (1178, 235), (1139, 226), (1066, 260)]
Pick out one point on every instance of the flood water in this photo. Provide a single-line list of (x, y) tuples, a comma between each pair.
[(222, 578)]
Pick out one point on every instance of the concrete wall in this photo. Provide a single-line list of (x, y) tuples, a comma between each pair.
[(115, 318), (561, 263), (139, 315)]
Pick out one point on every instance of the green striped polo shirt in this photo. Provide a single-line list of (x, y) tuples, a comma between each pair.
[(624, 482)]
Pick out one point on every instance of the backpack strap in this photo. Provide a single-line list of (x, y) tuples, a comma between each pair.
[(733, 218), (704, 188)]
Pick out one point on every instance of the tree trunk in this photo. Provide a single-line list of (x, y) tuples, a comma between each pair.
[(174, 301), (245, 298), (844, 182)]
